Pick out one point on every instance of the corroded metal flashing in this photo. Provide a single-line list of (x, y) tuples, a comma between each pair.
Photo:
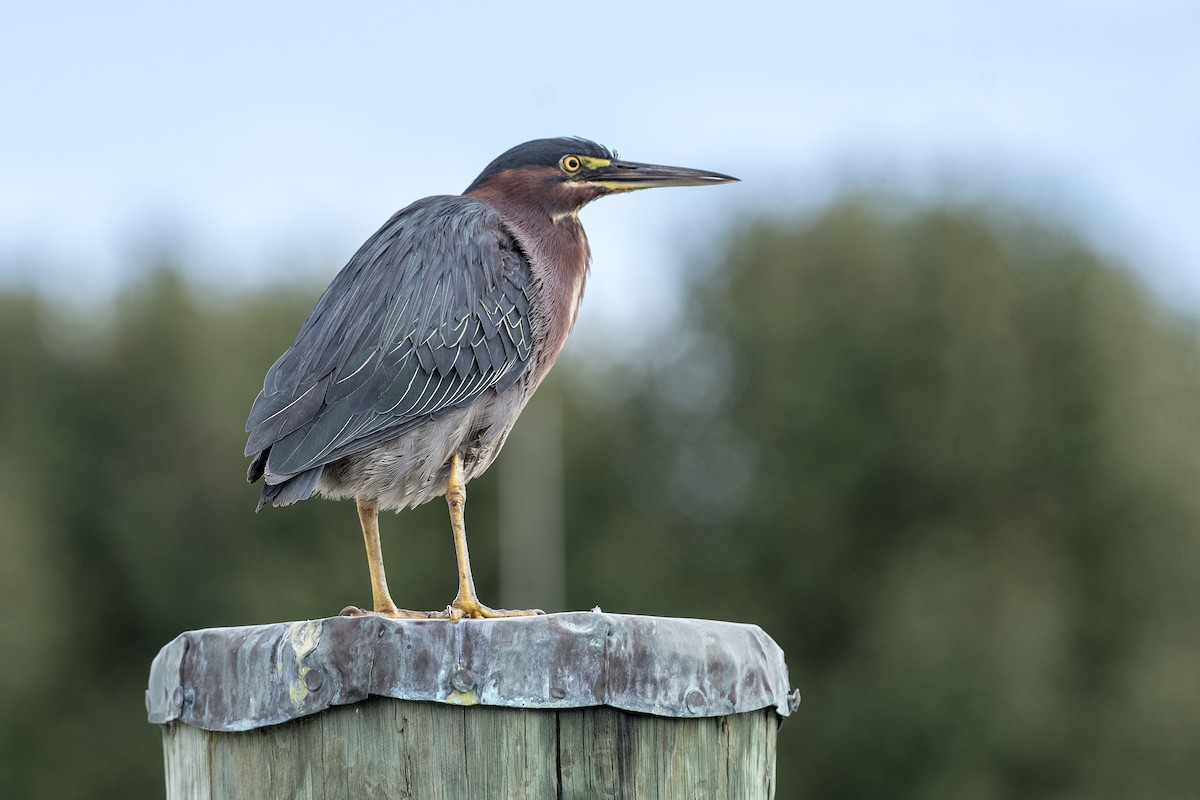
[(235, 679)]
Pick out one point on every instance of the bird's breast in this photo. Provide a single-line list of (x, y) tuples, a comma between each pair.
[(558, 255)]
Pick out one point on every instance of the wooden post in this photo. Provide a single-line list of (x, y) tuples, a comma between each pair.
[(580, 705)]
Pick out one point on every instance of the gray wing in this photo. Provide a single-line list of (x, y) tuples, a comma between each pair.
[(432, 310)]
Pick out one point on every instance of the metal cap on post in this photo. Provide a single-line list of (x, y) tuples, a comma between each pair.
[(576, 704)]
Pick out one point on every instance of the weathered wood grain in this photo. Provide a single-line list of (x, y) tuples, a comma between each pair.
[(385, 748)]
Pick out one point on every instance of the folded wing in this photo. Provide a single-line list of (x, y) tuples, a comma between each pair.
[(433, 310)]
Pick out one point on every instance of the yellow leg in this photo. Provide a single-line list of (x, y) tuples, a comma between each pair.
[(466, 603), (368, 516)]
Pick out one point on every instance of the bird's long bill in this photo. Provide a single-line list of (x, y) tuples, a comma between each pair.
[(623, 176)]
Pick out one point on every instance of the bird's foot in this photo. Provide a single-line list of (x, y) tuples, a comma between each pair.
[(471, 608), (391, 613)]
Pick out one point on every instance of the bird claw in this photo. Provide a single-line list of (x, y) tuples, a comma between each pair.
[(459, 609), (392, 613), (471, 608)]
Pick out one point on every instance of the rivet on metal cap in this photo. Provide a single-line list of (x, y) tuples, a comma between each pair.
[(463, 680), (558, 693), (695, 701), (314, 678)]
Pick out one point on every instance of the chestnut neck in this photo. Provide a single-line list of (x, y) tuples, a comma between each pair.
[(542, 213), (548, 231)]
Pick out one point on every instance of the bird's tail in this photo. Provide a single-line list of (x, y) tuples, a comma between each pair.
[(290, 490)]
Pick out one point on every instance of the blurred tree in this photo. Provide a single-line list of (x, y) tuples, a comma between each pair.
[(949, 459), (125, 519), (946, 456)]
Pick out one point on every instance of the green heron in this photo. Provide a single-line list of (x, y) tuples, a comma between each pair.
[(407, 377)]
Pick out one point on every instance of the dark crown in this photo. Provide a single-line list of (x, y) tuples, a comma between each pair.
[(542, 153)]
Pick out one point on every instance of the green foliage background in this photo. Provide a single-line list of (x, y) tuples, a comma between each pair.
[(946, 456)]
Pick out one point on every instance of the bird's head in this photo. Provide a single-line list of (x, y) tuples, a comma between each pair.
[(559, 176)]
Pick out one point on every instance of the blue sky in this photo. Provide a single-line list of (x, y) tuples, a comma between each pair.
[(272, 138)]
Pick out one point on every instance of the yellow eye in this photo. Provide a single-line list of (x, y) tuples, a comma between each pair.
[(570, 164)]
